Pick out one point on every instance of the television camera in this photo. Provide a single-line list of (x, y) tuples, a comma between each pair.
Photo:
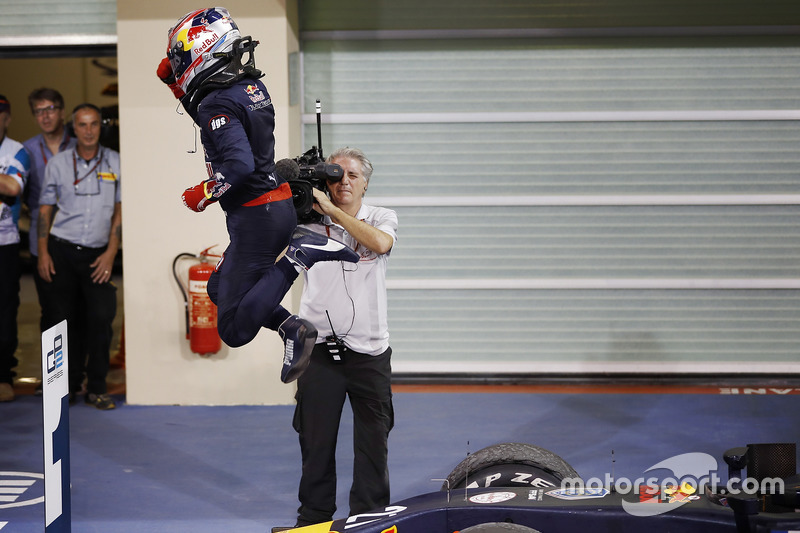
[(306, 172)]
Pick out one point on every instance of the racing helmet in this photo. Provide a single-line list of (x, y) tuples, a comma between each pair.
[(198, 43)]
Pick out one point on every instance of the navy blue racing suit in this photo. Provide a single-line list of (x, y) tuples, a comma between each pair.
[(237, 124)]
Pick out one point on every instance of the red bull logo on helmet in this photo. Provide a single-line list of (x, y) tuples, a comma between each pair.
[(198, 32)]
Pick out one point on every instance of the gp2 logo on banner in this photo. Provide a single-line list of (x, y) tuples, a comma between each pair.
[(55, 358)]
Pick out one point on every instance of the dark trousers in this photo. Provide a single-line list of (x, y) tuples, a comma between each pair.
[(9, 304), (77, 340), (321, 392), (248, 285), (72, 295)]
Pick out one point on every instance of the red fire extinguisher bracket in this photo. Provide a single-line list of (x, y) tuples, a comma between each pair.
[(200, 311)]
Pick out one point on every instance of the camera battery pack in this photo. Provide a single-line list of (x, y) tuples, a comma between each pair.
[(335, 347)]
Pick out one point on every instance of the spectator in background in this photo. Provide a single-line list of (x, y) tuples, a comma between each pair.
[(352, 358), (81, 200), (47, 106), (14, 165)]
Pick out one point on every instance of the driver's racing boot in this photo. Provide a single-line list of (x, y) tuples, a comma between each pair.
[(308, 247), (299, 337)]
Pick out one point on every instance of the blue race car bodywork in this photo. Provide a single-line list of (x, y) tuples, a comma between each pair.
[(523, 488)]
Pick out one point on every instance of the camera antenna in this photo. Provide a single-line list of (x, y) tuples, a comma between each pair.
[(319, 129)]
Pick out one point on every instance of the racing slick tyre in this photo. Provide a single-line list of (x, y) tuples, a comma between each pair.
[(510, 464), (498, 527)]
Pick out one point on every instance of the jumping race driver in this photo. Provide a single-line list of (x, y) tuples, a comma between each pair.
[(210, 68)]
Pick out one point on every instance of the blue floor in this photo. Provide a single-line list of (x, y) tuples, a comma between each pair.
[(225, 469)]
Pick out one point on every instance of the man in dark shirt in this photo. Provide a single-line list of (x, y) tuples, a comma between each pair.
[(234, 112)]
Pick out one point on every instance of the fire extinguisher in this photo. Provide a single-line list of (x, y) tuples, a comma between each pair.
[(200, 311)]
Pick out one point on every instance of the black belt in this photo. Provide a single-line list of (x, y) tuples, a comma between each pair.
[(74, 246)]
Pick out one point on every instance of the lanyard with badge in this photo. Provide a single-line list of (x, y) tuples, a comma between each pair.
[(101, 176)]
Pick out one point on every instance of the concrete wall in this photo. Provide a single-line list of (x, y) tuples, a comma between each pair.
[(156, 168)]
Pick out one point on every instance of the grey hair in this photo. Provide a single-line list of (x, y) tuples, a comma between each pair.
[(353, 153)]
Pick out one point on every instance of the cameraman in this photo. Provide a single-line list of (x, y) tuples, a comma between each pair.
[(352, 357)]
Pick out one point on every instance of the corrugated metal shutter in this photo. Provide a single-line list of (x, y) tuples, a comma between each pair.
[(598, 330), (344, 15), (58, 23), (626, 242), (525, 76), (576, 204)]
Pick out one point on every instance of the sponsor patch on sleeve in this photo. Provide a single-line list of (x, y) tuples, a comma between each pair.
[(217, 122)]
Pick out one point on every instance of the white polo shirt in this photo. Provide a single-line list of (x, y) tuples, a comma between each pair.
[(354, 295)]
